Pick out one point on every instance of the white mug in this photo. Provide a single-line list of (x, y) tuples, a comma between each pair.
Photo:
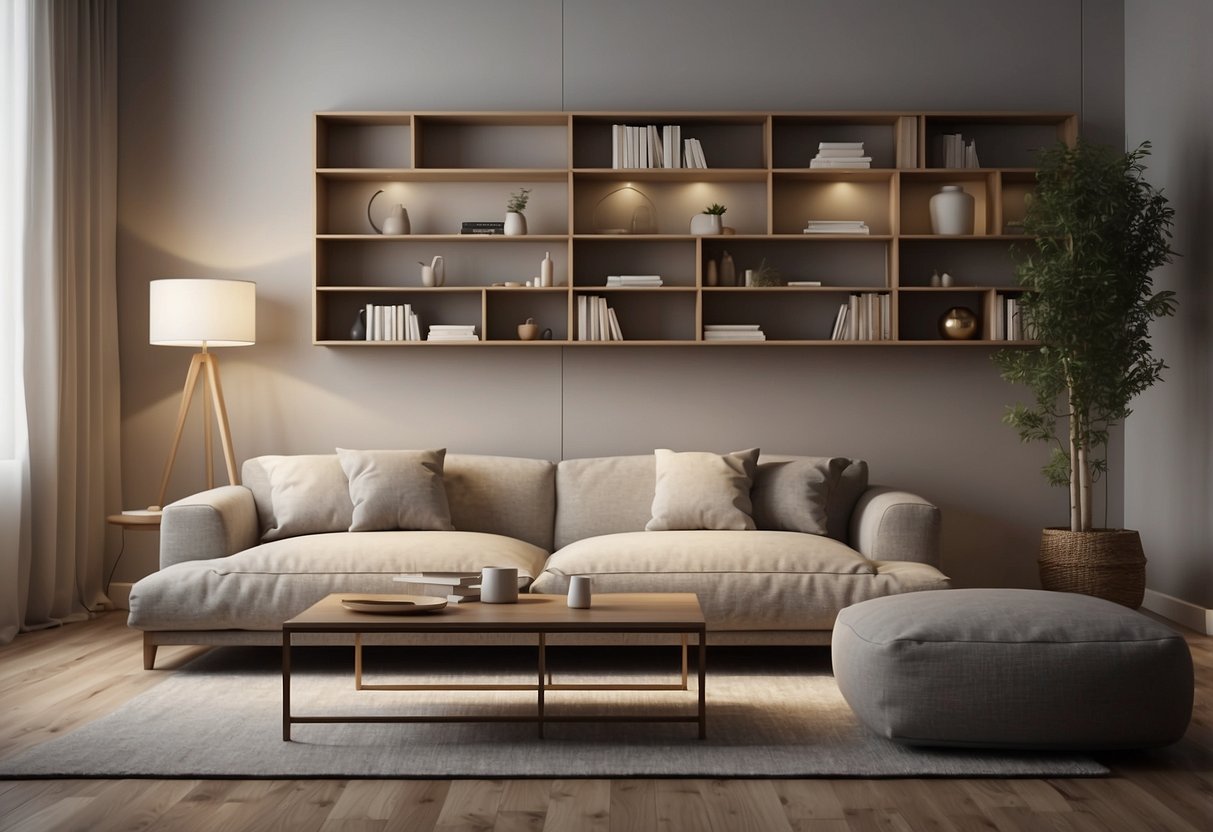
[(499, 585), (579, 592)]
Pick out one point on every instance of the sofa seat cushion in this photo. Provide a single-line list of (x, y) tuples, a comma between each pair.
[(745, 580), (259, 588)]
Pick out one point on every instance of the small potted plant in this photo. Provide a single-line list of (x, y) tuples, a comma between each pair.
[(710, 222), (1100, 231), (515, 220)]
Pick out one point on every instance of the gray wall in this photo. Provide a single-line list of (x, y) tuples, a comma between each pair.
[(215, 122), (1168, 439)]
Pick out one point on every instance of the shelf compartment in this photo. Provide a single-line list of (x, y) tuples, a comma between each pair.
[(507, 308), (972, 261), (594, 259), (363, 140), (729, 140), (1006, 140), (437, 208), (783, 316), (856, 261), (494, 140), (600, 205), (1016, 187), (647, 315), (919, 313), (917, 187), (337, 311), (369, 262), (796, 198), (794, 138)]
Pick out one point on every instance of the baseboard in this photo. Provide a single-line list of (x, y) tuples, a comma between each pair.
[(1185, 613), (120, 595)]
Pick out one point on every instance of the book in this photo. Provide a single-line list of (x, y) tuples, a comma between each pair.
[(840, 323), (840, 145), (731, 327), (754, 335), (490, 224), (462, 599), (583, 321), (616, 332), (459, 579), (841, 164), (843, 153), (804, 283), (907, 142)]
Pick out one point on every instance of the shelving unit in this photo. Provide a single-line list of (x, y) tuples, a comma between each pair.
[(595, 221)]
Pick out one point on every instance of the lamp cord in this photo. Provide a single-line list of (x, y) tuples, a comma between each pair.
[(108, 579)]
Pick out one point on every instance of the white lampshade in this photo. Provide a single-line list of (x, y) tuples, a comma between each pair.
[(191, 312)]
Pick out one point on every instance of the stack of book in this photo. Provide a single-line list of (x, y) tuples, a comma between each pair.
[(456, 587), (392, 323), (956, 153), (648, 146), (866, 316), (836, 227), (482, 227), (596, 321), (733, 332), (453, 332), (635, 280), (1009, 321), (692, 153), (840, 155)]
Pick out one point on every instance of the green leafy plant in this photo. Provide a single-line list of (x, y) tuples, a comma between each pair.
[(518, 200), (715, 208), (1100, 231)]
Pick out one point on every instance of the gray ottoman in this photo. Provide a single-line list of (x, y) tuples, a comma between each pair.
[(1012, 668)]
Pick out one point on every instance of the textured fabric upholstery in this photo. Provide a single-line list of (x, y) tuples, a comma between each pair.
[(1013, 668), (213, 524), (261, 587), (895, 525), (699, 490), (745, 580), (396, 490)]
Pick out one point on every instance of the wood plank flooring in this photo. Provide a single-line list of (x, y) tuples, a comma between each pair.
[(56, 680)]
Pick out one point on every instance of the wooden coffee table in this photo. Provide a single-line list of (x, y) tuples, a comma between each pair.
[(651, 612)]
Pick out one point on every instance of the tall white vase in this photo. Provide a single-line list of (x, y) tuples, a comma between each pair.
[(952, 211), (515, 224)]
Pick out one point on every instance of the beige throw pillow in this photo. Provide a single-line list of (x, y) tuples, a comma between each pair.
[(397, 490), (697, 490), (309, 495)]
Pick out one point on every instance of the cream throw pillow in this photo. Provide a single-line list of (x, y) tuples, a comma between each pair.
[(309, 495), (697, 490), (397, 490)]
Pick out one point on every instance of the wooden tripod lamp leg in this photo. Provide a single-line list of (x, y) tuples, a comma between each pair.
[(187, 395), (225, 432)]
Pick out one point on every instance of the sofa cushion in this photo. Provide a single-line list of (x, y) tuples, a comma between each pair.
[(697, 490), (259, 588), (397, 490), (309, 494), (793, 495), (745, 580)]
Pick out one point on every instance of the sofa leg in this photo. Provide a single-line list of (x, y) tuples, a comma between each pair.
[(149, 652)]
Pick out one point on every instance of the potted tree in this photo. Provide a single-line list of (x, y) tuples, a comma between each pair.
[(1100, 231)]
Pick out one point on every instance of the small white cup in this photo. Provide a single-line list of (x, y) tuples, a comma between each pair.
[(579, 592), (499, 585)]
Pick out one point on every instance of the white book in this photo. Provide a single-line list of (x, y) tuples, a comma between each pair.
[(440, 578), (855, 324), (734, 336), (582, 318), (615, 160), (819, 230), (886, 305), (370, 319), (642, 137), (1000, 317), (654, 147), (604, 320), (839, 145), (688, 155), (841, 153), (380, 324), (840, 321), (731, 327), (667, 145), (616, 332), (703, 162), (678, 163), (804, 283), (836, 223), (452, 327), (840, 164), (595, 334)]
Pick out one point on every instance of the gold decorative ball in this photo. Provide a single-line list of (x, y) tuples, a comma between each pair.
[(958, 324)]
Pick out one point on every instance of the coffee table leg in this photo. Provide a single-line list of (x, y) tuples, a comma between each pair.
[(703, 687), (542, 671), (286, 686), (357, 661)]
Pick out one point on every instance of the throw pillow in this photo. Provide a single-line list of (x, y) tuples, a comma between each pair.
[(309, 495), (397, 490), (697, 490), (793, 495)]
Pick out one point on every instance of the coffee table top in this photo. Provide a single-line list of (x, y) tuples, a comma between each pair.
[(643, 612)]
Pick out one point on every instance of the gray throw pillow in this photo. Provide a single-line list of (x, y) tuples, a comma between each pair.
[(793, 495), (397, 490), (697, 490), (309, 494)]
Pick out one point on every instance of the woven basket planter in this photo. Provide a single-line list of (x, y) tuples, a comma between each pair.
[(1106, 563)]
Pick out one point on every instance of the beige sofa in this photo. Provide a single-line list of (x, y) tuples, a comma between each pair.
[(233, 568)]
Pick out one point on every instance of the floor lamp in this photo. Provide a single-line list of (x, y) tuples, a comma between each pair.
[(202, 312)]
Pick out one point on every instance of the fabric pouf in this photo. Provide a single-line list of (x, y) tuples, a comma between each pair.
[(1012, 668)]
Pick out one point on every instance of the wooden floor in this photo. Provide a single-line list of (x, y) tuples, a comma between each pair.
[(54, 681)]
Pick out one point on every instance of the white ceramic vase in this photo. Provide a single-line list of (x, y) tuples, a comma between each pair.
[(579, 592), (705, 225), (515, 224), (397, 222), (952, 211)]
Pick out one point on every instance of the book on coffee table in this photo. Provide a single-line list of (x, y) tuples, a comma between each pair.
[(458, 587)]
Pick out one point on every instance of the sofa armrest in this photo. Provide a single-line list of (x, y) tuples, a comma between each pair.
[(888, 524), (212, 524)]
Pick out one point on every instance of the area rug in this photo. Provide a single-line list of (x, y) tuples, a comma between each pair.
[(772, 713)]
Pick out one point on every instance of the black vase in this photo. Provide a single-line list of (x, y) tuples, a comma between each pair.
[(358, 330)]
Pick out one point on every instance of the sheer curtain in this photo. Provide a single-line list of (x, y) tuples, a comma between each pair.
[(59, 404)]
